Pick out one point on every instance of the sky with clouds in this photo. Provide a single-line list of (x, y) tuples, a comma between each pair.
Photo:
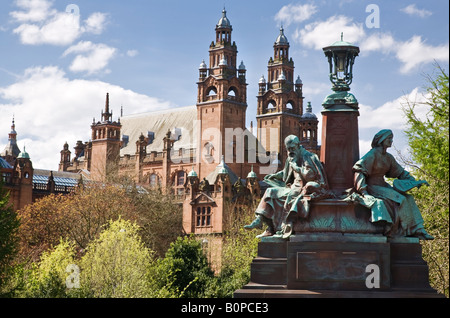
[(60, 58)]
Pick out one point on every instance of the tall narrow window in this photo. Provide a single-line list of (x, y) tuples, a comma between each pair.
[(203, 216)]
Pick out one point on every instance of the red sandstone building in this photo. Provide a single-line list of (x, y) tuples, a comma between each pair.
[(203, 152)]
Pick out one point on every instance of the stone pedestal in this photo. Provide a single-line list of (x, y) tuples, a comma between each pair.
[(332, 266), (345, 257), (338, 270)]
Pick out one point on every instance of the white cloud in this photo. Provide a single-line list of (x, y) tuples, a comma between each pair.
[(415, 52), (33, 10), (90, 57), (132, 53), (317, 35), (316, 89), (51, 109), (383, 42), (410, 53), (60, 29), (40, 24), (295, 13), (414, 11), (95, 23), (390, 114)]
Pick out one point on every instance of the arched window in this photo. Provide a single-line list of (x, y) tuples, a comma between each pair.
[(211, 92), (271, 106), (209, 149), (232, 93)]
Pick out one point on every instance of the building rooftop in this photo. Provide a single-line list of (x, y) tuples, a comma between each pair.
[(4, 164), (67, 179), (155, 125)]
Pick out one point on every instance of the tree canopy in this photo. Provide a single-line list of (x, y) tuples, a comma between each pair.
[(429, 143)]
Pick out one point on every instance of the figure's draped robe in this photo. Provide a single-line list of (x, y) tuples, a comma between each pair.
[(398, 210), (291, 190)]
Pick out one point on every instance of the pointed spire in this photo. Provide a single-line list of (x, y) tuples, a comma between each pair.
[(12, 135), (106, 115), (107, 103), (13, 126), (11, 149)]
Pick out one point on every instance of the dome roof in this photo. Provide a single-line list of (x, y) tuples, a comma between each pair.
[(308, 113), (242, 66), (192, 173), (202, 65), (252, 174), (262, 80), (24, 154), (282, 39), (298, 80), (224, 22)]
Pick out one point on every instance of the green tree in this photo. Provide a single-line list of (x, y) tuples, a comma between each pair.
[(9, 225), (184, 271), (47, 279), (429, 143), (160, 218), (79, 217), (116, 264), (239, 250)]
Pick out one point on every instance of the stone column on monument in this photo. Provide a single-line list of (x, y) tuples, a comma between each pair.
[(340, 142)]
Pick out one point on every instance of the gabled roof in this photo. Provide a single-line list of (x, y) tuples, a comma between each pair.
[(202, 198), (177, 120)]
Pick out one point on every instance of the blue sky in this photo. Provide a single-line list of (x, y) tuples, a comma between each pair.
[(56, 67)]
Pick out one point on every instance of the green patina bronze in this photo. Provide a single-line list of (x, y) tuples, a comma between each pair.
[(389, 205), (341, 57), (340, 100)]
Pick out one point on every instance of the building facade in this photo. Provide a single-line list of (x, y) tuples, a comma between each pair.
[(203, 153), (27, 184)]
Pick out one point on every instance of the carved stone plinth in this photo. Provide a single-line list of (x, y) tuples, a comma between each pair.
[(339, 253), (338, 270), (337, 266)]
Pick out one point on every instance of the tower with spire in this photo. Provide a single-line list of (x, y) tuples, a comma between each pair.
[(308, 134), (222, 99), (11, 151), (280, 100), (105, 151)]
